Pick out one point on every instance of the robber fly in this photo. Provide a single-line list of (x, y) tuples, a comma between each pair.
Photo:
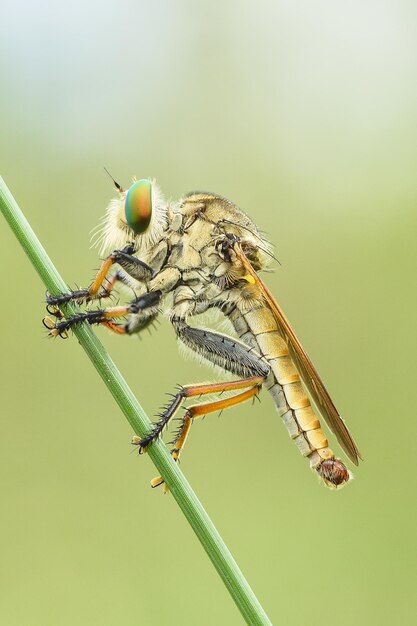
[(202, 252)]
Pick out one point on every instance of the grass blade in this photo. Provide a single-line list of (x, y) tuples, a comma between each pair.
[(193, 510)]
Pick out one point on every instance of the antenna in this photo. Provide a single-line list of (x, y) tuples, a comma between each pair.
[(119, 187)]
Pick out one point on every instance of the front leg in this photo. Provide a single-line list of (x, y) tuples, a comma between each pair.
[(140, 312), (133, 267)]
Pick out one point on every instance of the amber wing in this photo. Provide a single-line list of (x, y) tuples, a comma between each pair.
[(304, 365)]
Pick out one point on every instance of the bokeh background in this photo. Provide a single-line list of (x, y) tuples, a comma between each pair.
[(304, 114)]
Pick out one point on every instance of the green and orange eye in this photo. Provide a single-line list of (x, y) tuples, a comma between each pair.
[(138, 205)]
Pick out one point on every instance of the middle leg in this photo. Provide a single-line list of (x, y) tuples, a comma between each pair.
[(139, 312)]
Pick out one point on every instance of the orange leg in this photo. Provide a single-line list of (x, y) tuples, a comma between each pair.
[(126, 259), (100, 316), (198, 410), (100, 277), (90, 293), (119, 329), (144, 306), (195, 390)]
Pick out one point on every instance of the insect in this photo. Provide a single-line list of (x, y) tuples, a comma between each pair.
[(199, 253)]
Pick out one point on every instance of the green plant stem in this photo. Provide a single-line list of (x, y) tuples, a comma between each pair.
[(193, 510)]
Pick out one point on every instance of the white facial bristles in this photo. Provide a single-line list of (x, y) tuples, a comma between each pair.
[(113, 232)]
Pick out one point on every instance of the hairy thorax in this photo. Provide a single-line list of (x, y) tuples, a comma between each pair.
[(199, 226)]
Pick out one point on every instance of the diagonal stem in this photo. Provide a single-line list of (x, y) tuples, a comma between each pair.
[(193, 510)]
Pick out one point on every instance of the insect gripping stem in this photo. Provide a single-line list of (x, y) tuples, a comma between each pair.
[(206, 532)]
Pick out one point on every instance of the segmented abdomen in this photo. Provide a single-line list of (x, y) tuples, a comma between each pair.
[(257, 328)]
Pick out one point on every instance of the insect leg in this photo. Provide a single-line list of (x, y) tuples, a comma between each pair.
[(140, 312), (188, 391), (197, 410), (230, 354), (133, 266)]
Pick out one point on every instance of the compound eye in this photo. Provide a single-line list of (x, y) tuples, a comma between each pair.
[(138, 205)]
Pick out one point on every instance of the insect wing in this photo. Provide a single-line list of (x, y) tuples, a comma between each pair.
[(305, 367)]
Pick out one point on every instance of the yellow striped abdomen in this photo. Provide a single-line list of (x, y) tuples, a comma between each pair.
[(257, 328)]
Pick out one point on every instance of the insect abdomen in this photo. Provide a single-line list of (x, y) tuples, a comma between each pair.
[(258, 328)]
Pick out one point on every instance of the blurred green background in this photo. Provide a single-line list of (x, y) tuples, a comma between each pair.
[(304, 114)]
